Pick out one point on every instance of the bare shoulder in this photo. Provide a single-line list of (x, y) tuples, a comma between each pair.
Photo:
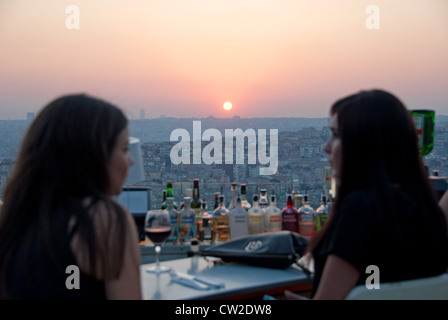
[(126, 285), (104, 209), (110, 216), (443, 204), (113, 228)]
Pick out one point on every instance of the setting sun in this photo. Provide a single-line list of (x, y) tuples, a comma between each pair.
[(227, 106)]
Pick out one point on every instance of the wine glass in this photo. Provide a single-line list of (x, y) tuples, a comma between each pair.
[(158, 229)]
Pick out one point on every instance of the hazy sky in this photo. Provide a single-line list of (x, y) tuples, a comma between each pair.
[(185, 58)]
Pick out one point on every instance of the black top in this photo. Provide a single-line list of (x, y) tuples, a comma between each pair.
[(37, 275), (407, 244)]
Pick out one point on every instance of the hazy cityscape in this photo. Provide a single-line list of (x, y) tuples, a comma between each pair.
[(300, 156)]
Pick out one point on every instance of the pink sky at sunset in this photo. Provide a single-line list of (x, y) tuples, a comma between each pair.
[(185, 58)]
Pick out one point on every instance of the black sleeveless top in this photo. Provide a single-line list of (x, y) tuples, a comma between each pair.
[(409, 243), (38, 275)]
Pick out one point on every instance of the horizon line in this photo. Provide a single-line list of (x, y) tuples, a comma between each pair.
[(216, 118)]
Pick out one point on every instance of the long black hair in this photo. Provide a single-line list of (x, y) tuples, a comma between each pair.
[(379, 151), (62, 162)]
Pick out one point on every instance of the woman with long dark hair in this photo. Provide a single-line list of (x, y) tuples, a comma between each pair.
[(59, 211), (385, 213)]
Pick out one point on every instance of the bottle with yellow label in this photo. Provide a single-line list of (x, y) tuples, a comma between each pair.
[(255, 218), (220, 223)]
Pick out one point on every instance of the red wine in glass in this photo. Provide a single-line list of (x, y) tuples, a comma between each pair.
[(158, 229), (158, 235)]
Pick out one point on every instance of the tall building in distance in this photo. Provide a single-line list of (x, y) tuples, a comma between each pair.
[(142, 114), (30, 116)]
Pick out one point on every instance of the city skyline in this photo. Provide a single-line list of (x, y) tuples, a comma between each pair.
[(300, 153), (186, 58)]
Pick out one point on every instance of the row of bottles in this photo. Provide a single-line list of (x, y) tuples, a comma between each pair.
[(240, 218)]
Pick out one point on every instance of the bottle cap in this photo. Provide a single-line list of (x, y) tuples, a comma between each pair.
[(194, 246)]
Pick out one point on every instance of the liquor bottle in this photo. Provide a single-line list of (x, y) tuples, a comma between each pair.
[(329, 204), (220, 223), (238, 221), (207, 216), (321, 215), (196, 202), (290, 216), (216, 205), (424, 124), (232, 204), (327, 181), (306, 219), (273, 216), (244, 203), (196, 206), (187, 226), (255, 218), (169, 194), (163, 200), (174, 216), (211, 213), (263, 203), (189, 194), (297, 198)]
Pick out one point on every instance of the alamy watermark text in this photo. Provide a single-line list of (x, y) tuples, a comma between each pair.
[(213, 154)]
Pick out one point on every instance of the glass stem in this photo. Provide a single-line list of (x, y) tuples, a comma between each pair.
[(157, 249)]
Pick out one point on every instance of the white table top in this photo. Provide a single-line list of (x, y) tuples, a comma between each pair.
[(239, 279)]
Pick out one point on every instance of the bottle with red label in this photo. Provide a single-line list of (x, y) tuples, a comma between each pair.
[(273, 216), (424, 124), (290, 216)]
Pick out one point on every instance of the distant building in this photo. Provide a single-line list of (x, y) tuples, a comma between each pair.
[(142, 114), (30, 116)]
